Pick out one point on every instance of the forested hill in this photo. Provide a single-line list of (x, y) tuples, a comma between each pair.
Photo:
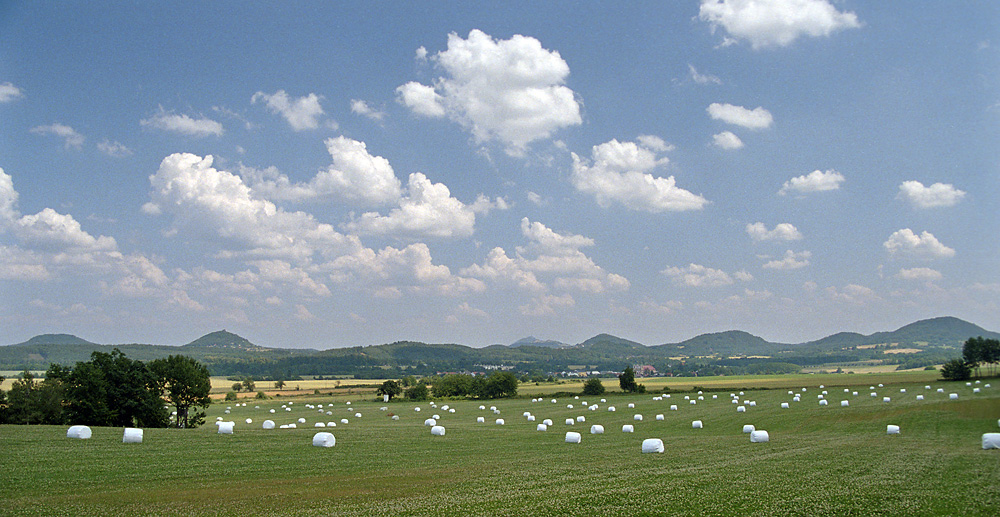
[(923, 342)]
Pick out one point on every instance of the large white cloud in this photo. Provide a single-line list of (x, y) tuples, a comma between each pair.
[(390, 271), (782, 232), (815, 181), (220, 205), (934, 196), (301, 113), (511, 91), (906, 242), (68, 134), (757, 118), (618, 172), (183, 124), (355, 175), (727, 140), (768, 23)]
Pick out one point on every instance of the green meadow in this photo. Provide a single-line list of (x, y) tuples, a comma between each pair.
[(820, 460)]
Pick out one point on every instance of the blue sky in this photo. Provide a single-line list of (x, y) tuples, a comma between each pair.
[(310, 174)]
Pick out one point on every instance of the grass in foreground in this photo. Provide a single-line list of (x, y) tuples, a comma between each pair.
[(821, 460)]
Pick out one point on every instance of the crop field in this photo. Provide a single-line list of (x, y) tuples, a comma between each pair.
[(820, 459)]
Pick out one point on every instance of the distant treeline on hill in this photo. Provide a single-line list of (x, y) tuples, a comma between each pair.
[(919, 344)]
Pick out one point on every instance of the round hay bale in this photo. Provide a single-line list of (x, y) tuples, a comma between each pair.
[(652, 446), (291, 426), (435, 417), (80, 432), (324, 440), (531, 418), (480, 420), (416, 409), (572, 437), (953, 396), (611, 409), (975, 390), (886, 399), (451, 410), (357, 415), (673, 407), (554, 401), (430, 422), (547, 421), (714, 397), (628, 428), (631, 405), (759, 437), (344, 421), (659, 417), (331, 424), (693, 402), (597, 429), (940, 390), (271, 411), (569, 406), (482, 408), (249, 420), (753, 403), (226, 427), (748, 428), (437, 430), (637, 418), (696, 424), (526, 414), (581, 419), (570, 421), (892, 429), (268, 424), (395, 417), (784, 405), (132, 435), (845, 403), (319, 424), (824, 402), (991, 441), (920, 397), (741, 409), (541, 427), (302, 420), (499, 421)]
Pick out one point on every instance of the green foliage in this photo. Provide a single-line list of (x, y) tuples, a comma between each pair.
[(500, 385), (237, 387), (112, 390), (390, 388), (186, 384), (627, 380), (407, 381), (955, 370), (593, 386), (33, 402), (261, 396), (978, 351), (248, 384), (278, 384), (417, 392), (230, 395)]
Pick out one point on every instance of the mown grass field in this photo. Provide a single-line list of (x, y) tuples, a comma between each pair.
[(821, 460)]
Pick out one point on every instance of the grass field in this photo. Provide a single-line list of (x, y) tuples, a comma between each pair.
[(820, 460)]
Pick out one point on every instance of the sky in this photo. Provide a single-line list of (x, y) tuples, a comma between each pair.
[(329, 174)]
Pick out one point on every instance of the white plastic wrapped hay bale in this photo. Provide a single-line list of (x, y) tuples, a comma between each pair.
[(659, 417), (749, 428), (291, 426), (784, 405), (715, 397), (741, 409), (673, 407), (526, 414), (324, 439), (226, 427), (430, 422), (357, 415), (499, 421), (271, 411), (628, 428), (437, 430), (631, 405), (302, 420), (759, 436), (541, 427), (637, 418), (435, 417), (344, 421), (953, 396), (569, 406), (845, 403), (395, 417), (80, 432), (597, 429), (570, 421), (480, 420), (132, 435), (554, 401), (892, 429), (581, 419), (975, 390), (735, 401), (991, 441), (268, 424), (886, 399), (331, 424), (611, 409), (547, 421), (482, 408), (920, 397), (940, 390), (652, 446), (753, 403), (416, 409), (249, 420), (572, 437), (693, 402), (283, 426), (824, 402), (696, 424), (319, 424)]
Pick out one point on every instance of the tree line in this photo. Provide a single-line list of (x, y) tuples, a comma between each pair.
[(976, 353), (111, 390)]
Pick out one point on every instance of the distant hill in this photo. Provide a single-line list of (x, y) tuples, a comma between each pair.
[(729, 343), (945, 332), (533, 341), (55, 339), (223, 339)]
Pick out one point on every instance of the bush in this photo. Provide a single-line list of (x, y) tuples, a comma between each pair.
[(261, 395), (417, 392), (231, 395), (593, 387), (955, 370)]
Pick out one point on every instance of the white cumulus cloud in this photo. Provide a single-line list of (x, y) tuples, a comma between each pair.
[(782, 232), (919, 273), (301, 113), (183, 124), (511, 91), (362, 108), (815, 181), (906, 242), (934, 196), (619, 172), (702, 78), (114, 149), (757, 118), (775, 23), (9, 92), (727, 140), (427, 209), (696, 275), (791, 260)]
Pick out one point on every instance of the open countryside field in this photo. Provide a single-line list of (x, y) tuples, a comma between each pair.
[(820, 460)]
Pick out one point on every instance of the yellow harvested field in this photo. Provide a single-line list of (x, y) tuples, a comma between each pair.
[(903, 351)]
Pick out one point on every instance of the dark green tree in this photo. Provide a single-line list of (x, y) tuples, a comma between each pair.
[(186, 384), (978, 351), (249, 385), (627, 381), (33, 402), (237, 387), (501, 385), (955, 370), (593, 386), (3, 403), (390, 388), (417, 392)]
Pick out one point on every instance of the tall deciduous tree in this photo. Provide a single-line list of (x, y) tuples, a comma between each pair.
[(627, 380), (593, 387), (33, 402), (390, 388), (186, 384)]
